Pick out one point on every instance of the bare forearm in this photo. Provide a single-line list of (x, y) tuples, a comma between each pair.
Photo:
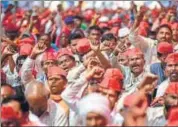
[(103, 60), (11, 63)]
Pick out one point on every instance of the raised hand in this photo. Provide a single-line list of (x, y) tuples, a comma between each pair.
[(95, 45), (38, 49), (96, 72), (9, 50)]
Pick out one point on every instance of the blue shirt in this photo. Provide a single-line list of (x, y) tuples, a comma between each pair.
[(158, 70)]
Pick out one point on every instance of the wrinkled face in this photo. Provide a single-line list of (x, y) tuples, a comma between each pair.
[(63, 40), (171, 100), (172, 71), (164, 34), (112, 96), (66, 62), (122, 59), (73, 45), (48, 63), (38, 104), (94, 35), (95, 119), (56, 84), (175, 33), (125, 41), (45, 40), (6, 91), (136, 64)]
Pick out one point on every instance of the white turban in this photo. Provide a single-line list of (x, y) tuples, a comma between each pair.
[(123, 32), (94, 102)]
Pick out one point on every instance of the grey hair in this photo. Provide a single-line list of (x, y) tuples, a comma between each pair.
[(36, 88)]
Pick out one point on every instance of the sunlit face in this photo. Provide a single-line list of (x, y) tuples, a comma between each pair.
[(94, 35), (164, 34), (172, 71), (66, 62), (171, 99), (122, 59), (112, 96), (56, 84), (6, 91), (95, 119), (136, 64)]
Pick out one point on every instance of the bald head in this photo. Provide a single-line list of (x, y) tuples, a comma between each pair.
[(36, 88), (37, 96)]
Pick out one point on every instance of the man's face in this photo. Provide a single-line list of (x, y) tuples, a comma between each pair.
[(38, 104), (162, 57), (44, 40), (63, 40), (110, 44), (6, 91), (56, 84), (94, 119), (171, 99), (94, 35), (112, 96), (172, 71), (66, 63), (48, 63), (164, 34), (73, 45), (136, 64), (70, 26), (77, 23), (125, 41), (122, 59)]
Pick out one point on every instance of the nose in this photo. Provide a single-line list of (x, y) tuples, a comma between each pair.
[(93, 123)]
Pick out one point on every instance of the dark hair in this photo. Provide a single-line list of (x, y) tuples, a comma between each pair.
[(24, 106), (93, 28), (46, 35), (74, 36), (21, 57), (104, 29), (78, 17), (163, 26), (6, 84), (108, 37)]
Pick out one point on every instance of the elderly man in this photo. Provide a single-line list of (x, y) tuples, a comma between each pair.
[(171, 71), (49, 112), (94, 110)]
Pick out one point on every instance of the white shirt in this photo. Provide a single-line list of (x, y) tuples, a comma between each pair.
[(54, 116), (162, 88)]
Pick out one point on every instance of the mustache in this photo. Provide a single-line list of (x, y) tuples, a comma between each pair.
[(174, 72)]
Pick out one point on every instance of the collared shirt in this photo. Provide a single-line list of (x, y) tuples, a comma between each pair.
[(156, 116), (162, 88), (147, 45), (54, 115)]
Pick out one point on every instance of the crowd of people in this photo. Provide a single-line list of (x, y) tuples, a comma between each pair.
[(89, 67)]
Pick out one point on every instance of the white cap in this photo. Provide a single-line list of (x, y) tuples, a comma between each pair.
[(123, 32), (94, 102), (103, 19)]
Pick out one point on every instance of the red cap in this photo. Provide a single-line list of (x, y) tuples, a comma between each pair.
[(172, 88), (143, 32), (49, 56), (7, 112), (111, 83), (64, 51), (28, 40), (114, 73), (88, 14), (144, 24), (11, 27), (54, 70), (165, 48), (134, 51), (174, 26), (115, 20), (173, 117), (103, 24), (83, 46), (25, 49), (173, 58)]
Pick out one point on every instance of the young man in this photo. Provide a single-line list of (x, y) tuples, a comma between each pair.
[(7, 91)]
